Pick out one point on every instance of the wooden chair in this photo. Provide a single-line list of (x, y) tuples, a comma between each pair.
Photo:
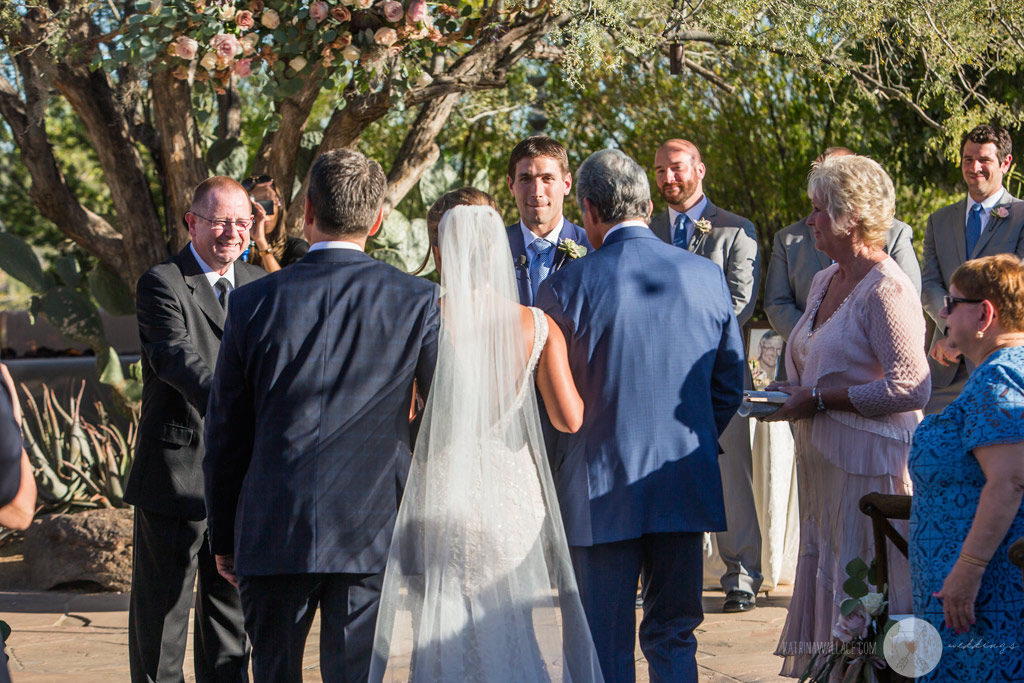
[(881, 507)]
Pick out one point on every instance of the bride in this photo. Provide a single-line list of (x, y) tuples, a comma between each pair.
[(478, 585)]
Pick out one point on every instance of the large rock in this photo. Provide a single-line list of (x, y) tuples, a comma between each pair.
[(92, 546)]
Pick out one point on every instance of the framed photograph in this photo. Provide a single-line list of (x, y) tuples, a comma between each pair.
[(766, 353)]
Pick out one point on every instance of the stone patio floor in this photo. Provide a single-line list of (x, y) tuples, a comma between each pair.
[(83, 637)]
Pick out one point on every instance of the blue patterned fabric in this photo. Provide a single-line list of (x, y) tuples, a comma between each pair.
[(947, 485)]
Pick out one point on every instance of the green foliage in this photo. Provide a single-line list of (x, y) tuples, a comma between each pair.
[(76, 464), (402, 242)]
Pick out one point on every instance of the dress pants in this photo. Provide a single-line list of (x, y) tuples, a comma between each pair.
[(279, 611), (169, 554), (670, 565), (740, 544)]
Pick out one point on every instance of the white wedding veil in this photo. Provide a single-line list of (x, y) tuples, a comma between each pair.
[(479, 585)]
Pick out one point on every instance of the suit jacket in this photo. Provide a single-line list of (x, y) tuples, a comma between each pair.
[(944, 251), (732, 244), (308, 425), (570, 231), (656, 353), (180, 326), (795, 261)]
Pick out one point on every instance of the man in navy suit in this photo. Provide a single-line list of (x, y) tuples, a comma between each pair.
[(656, 353), (308, 429), (539, 179)]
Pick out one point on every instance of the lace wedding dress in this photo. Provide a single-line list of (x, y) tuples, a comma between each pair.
[(478, 585)]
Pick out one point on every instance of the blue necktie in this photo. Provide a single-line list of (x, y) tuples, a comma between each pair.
[(541, 264), (973, 228), (681, 234)]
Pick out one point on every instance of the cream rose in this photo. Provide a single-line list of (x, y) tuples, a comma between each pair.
[(351, 53), (298, 63), (318, 11), (249, 43), (245, 20), (385, 36), (270, 19), (209, 61), (185, 47)]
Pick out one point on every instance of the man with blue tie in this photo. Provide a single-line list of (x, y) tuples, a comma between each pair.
[(639, 483), (694, 223), (539, 179), (987, 221)]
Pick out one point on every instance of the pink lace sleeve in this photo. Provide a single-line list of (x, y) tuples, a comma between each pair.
[(896, 330)]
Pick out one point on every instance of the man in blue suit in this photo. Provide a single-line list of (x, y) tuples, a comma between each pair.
[(539, 179), (307, 430), (655, 351)]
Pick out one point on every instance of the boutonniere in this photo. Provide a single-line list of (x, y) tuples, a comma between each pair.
[(703, 226), (999, 212), (571, 249)]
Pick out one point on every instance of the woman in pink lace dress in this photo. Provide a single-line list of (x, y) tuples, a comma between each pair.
[(858, 378)]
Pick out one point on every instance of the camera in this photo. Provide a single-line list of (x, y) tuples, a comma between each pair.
[(267, 205)]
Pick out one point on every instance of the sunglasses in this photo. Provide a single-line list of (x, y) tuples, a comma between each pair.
[(254, 180), (951, 301)]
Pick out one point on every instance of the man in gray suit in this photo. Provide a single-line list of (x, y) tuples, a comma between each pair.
[(987, 221), (795, 262), (692, 222)]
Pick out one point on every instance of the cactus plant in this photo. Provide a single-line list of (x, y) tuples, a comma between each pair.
[(67, 300), (76, 464)]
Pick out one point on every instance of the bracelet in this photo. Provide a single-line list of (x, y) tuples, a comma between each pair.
[(816, 395), (970, 559)]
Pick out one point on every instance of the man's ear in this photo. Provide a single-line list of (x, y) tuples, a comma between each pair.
[(307, 213), (378, 223)]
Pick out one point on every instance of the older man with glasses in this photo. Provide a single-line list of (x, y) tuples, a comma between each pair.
[(181, 306)]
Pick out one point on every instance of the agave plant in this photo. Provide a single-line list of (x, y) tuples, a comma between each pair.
[(77, 464)]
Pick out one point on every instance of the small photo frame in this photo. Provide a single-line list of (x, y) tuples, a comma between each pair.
[(766, 354)]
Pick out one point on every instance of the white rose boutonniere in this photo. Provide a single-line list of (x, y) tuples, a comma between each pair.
[(703, 226), (999, 212), (572, 249)]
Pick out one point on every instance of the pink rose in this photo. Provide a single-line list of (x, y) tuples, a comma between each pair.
[(245, 20), (270, 19), (243, 67), (341, 13), (853, 625), (385, 36), (185, 47), (318, 11), (392, 10), (226, 45), (417, 11)]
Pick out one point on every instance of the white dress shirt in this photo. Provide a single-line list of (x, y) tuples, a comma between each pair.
[(334, 244), (210, 273), (625, 224)]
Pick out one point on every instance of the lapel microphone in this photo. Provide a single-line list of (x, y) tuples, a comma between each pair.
[(521, 261)]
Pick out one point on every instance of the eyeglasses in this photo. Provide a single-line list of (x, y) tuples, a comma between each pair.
[(254, 180), (239, 224), (950, 302)]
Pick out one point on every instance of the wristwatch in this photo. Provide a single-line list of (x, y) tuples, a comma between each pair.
[(816, 395)]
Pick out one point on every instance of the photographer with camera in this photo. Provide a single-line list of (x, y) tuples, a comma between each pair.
[(272, 248)]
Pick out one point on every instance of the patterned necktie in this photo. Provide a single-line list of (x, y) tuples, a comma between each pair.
[(541, 264), (973, 228), (223, 287), (681, 234)]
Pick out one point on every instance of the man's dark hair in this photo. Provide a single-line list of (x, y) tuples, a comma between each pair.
[(998, 136), (346, 191), (538, 146)]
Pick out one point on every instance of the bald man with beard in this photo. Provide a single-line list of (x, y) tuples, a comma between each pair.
[(693, 223)]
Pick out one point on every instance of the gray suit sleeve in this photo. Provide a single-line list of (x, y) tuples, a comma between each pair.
[(902, 252), (167, 342), (932, 288), (779, 298), (743, 273)]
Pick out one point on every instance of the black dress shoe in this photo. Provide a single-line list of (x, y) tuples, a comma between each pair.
[(739, 601)]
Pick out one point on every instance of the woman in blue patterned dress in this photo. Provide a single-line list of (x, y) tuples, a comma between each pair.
[(967, 465)]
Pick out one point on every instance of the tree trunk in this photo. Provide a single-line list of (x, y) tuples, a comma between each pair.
[(181, 156)]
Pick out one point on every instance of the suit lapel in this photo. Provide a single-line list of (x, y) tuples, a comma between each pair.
[(660, 226), (201, 290), (956, 230), (697, 240), (994, 223), (518, 248)]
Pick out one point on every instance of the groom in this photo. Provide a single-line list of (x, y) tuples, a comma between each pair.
[(656, 354), (307, 432)]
